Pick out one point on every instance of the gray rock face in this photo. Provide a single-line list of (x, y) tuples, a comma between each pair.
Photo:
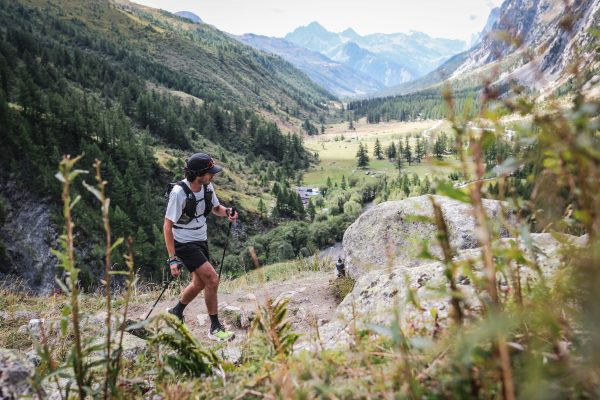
[(380, 295), (28, 235), (389, 236), (15, 370)]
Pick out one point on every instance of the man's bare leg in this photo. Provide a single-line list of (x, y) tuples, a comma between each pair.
[(207, 274), (192, 290)]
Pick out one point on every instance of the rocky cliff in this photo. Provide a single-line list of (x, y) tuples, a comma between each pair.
[(540, 38), (28, 234)]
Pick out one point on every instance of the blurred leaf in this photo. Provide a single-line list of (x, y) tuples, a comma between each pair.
[(509, 166), (420, 342), (74, 202), (93, 190), (448, 190), (116, 244), (76, 173)]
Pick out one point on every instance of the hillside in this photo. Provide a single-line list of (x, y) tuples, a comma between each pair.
[(139, 90)]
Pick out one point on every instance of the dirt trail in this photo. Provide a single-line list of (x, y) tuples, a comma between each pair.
[(310, 301)]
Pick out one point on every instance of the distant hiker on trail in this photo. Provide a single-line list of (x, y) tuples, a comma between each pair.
[(185, 231), (341, 268)]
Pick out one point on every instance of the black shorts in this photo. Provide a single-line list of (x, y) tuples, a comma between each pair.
[(192, 254)]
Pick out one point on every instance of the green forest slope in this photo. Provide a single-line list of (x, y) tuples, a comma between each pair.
[(139, 89)]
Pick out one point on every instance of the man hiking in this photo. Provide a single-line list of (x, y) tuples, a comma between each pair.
[(341, 268), (185, 231)]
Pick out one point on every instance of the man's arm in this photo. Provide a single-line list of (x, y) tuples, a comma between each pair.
[(169, 240), (170, 243), (223, 212)]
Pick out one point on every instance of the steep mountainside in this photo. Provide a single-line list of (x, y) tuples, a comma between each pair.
[(333, 76), (531, 42), (221, 64), (138, 89), (415, 51), (537, 28)]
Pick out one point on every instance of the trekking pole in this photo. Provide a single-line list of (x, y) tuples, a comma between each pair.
[(231, 214), (165, 286)]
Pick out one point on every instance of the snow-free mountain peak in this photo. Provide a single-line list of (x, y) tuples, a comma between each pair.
[(350, 34), (189, 15)]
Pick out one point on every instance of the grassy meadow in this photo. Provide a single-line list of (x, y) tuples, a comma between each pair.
[(338, 146)]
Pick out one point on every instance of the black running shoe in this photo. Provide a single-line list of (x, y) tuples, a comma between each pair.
[(179, 316)]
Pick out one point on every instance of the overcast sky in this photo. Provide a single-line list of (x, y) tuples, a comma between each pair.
[(454, 19)]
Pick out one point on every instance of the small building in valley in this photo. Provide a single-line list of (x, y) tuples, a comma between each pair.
[(306, 192)]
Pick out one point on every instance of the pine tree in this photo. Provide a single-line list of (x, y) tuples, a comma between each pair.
[(262, 208), (406, 188), (419, 150), (343, 184), (299, 210), (362, 157), (340, 205), (329, 184), (407, 152), (311, 210), (415, 180), (377, 150), (425, 186), (391, 151), (439, 147)]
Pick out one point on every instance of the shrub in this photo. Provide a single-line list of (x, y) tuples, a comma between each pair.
[(340, 287)]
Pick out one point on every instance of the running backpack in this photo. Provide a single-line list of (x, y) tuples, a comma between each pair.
[(189, 210)]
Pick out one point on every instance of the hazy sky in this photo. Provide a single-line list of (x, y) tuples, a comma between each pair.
[(455, 19)]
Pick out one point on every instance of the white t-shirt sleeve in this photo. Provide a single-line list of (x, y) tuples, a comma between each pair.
[(215, 200), (174, 207)]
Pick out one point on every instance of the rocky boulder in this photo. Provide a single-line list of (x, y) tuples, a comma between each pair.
[(391, 234), (15, 371), (379, 295)]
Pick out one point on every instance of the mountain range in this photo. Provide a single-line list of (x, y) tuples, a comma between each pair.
[(348, 64), (532, 42), (414, 51), (388, 58), (336, 77)]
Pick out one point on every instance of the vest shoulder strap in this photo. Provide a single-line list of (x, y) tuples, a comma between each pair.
[(185, 188), (208, 206)]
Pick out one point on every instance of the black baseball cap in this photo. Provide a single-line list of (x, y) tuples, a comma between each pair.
[(202, 162)]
